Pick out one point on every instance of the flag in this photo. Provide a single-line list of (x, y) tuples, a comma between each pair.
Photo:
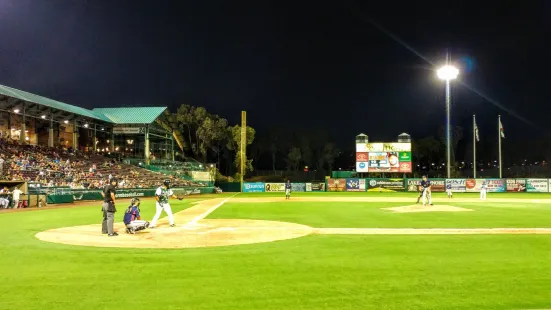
[(476, 131), (501, 129)]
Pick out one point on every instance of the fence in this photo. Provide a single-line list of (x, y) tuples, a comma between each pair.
[(56, 195), (516, 185)]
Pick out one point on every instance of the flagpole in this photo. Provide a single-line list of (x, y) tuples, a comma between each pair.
[(499, 139), (474, 146)]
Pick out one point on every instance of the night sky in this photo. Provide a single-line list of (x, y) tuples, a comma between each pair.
[(300, 64)]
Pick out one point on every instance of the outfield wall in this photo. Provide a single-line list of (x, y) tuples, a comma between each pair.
[(518, 185)]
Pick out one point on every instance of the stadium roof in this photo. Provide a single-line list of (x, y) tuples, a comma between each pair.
[(133, 115), (130, 115), (23, 95)]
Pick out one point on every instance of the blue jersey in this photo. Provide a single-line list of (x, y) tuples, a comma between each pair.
[(287, 185), (425, 184), (131, 214)]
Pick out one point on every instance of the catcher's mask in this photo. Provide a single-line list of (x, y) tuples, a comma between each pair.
[(166, 183), (135, 201), (113, 180)]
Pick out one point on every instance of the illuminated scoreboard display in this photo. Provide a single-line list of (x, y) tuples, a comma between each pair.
[(383, 157)]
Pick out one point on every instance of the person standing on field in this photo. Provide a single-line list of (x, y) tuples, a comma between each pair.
[(483, 190), (161, 195), (288, 188), (109, 209), (426, 185), (449, 190)]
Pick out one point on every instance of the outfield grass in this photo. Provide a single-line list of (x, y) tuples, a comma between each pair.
[(313, 272)]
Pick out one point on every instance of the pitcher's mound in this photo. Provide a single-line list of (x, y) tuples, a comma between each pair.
[(420, 208)]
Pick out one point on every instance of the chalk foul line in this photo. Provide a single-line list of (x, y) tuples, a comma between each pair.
[(431, 231)]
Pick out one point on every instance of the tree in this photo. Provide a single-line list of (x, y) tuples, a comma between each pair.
[(306, 149), (234, 145), (293, 158), (428, 150), (456, 136), (330, 153)]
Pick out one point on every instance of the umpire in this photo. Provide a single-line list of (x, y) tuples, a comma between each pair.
[(109, 208)]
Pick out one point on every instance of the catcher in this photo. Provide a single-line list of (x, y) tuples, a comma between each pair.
[(162, 195), (132, 218)]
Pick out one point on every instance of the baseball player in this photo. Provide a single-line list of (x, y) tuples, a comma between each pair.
[(449, 190), (483, 191), (109, 209), (132, 218), (288, 189), (426, 185), (162, 195)]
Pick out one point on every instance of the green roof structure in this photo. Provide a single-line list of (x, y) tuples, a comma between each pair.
[(23, 95), (131, 115)]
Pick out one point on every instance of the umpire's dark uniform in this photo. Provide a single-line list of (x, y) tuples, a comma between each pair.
[(109, 209)]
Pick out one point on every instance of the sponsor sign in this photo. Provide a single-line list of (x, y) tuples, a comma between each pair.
[(362, 166), (362, 156), (257, 187), (83, 194), (308, 187), (383, 147), (495, 185), (128, 130), (275, 187), (318, 187), (516, 185), (336, 185), (385, 185), (201, 176), (404, 156), (438, 185), (537, 185), (298, 187), (457, 185), (405, 167), (473, 185), (355, 185)]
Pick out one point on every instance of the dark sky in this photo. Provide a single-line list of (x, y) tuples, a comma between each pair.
[(299, 64)]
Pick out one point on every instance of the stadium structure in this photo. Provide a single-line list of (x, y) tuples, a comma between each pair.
[(134, 132)]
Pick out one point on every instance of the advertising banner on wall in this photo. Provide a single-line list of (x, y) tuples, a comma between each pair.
[(298, 187), (275, 187), (474, 185), (355, 185), (438, 185), (496, 185), (316, 187), (385, 185), (256, 187), (336, 185), (516, 185), (537, 185), (457, 185)]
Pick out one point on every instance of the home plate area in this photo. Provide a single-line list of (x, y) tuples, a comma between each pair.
[(421, 208)]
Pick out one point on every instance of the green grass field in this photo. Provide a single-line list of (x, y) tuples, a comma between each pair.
[(312, 272)]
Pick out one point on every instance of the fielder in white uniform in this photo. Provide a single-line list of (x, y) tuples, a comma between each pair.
[(483, 191), (161, 195)]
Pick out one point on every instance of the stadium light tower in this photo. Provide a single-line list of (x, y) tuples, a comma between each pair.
[(448, 73)]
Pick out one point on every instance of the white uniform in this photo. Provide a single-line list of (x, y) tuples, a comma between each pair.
[(483, 192), (16, 195), (162, 204)]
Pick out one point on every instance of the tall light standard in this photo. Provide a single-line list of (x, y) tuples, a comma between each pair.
[(448, 73)]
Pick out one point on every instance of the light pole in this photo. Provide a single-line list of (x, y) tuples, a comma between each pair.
[(448, 73)]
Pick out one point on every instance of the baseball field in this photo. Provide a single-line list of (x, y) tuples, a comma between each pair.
[(260, 251)]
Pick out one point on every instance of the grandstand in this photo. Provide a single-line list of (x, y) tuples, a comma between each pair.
[(51, 144)]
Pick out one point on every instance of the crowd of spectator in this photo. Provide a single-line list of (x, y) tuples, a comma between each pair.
[(58, 167)]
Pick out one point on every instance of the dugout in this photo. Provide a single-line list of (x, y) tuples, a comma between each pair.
[(12, 185)]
